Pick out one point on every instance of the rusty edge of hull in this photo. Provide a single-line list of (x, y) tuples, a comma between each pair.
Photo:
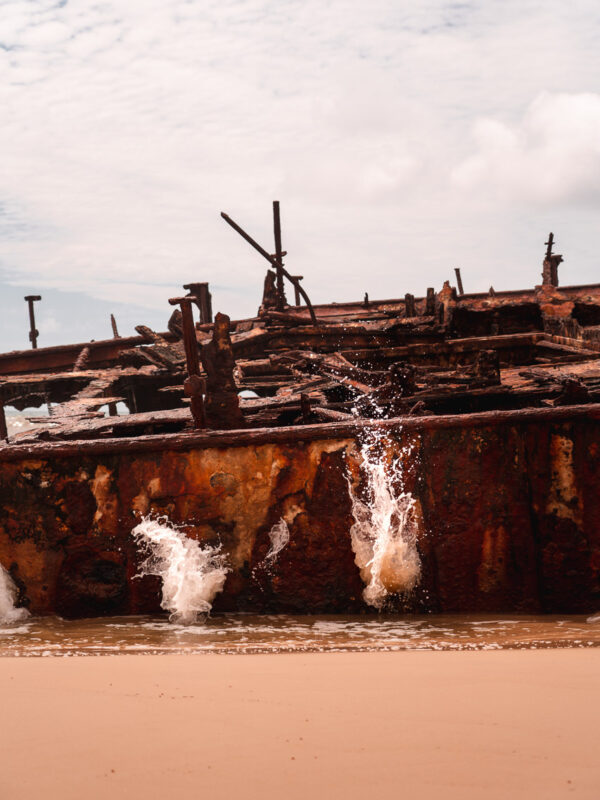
[(334, 430)]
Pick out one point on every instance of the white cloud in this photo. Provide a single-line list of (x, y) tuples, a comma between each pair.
[(550, 157), (127, 127)]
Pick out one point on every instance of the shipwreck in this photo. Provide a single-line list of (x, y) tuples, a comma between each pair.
[(488, 405)]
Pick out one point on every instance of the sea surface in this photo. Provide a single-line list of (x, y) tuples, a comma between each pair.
[(246, 633)]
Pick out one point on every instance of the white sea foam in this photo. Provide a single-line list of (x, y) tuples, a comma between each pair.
[(191, 575), (384, 533), (593, 618), (279, 536), (8, 597)]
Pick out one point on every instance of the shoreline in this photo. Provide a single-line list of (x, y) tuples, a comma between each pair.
[(445, 724)]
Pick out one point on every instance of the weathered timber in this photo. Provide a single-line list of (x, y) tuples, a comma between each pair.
[(331, 414)]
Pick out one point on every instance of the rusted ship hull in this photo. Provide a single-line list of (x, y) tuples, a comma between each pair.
[(508, 501)]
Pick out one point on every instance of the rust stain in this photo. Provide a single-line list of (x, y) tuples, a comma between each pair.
[(491, 573), (563, 498)]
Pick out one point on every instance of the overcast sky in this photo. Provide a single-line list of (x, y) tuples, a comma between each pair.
[(402, 139)]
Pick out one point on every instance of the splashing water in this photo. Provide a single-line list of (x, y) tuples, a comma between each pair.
[(191, 575), (279, 536), (384, 533), (8, 597)]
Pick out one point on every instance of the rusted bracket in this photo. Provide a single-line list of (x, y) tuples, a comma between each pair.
[(273, 261), (193, 385), (33, 332)]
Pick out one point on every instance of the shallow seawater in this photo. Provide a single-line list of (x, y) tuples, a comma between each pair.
[(246, 633)]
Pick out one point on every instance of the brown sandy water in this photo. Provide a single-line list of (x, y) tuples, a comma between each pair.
[(245, 633)]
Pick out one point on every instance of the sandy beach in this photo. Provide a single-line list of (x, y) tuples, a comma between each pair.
[(344, 725)]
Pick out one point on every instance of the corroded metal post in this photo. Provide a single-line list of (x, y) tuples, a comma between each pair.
[(551, 262), (278, 256), (33, 332), (193, 385), (459, 282)]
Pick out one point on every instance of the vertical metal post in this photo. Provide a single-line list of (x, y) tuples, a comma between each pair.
[(33, 332), (278, 256)]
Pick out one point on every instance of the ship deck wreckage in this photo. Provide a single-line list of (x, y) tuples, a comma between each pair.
[(484, 406)]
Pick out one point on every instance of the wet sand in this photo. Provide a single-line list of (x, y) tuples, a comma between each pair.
[(518, 724)]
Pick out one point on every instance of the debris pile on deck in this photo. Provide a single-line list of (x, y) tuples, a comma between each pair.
[(447, 352)]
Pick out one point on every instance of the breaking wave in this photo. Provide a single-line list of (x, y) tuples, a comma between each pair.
[(385, 529), (9, 613), (279, 536), (191, 575)]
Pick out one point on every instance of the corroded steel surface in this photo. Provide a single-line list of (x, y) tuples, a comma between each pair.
[(510, 519)]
